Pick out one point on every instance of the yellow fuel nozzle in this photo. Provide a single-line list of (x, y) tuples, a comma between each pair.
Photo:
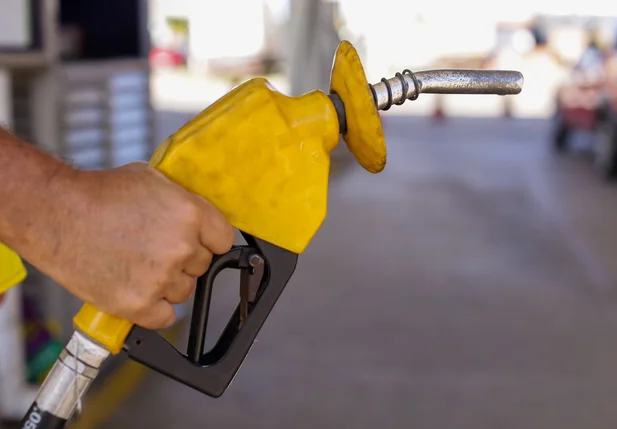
[(262, 157)]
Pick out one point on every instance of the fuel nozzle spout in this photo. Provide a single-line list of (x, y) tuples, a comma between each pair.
[(409, 85)]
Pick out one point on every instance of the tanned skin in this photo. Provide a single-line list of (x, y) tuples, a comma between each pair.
[(127, 240)]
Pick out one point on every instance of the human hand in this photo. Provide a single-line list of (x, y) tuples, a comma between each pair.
[(131, 242)]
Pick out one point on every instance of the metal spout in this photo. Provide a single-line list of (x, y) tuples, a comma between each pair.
[(408, 85)]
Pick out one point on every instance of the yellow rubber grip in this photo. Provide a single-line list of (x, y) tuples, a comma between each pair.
[(109, 331)]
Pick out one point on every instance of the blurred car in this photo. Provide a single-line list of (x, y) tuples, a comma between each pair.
[(587, 101), (162, 57)]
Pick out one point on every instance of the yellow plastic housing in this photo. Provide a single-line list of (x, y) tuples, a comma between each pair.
[(12, 270), (262, 158)]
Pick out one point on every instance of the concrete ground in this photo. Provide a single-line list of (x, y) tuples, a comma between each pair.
[(472, 285)]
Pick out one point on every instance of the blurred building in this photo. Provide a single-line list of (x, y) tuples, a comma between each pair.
[(223, 38)]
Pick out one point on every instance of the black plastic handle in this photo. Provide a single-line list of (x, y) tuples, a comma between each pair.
[(212, 372), (235, 258)]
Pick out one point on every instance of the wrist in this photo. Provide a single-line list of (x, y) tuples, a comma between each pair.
[(36, 223)]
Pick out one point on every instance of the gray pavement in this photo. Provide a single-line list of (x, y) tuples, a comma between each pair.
[(472, 285)]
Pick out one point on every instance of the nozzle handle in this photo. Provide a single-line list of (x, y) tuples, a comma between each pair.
[(408, 85)]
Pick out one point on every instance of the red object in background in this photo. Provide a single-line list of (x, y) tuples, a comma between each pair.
[(587, 101), (580, 99), (166, 57), (1, 298), (438, 114)]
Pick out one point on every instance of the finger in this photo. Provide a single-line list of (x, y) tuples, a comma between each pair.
[(199, 263), (180, 290), (217, 234), (161, 315)]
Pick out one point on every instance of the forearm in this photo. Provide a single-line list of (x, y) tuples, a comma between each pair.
[(33, 194), (127, 240)]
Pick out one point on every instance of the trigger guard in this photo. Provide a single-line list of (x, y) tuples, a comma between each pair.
[(236, 258)]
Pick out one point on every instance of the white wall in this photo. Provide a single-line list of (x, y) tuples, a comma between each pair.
[(14, 23)]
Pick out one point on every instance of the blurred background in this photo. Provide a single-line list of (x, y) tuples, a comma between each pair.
[(472, 284)]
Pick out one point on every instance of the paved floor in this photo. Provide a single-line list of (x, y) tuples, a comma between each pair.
[(470, 285)]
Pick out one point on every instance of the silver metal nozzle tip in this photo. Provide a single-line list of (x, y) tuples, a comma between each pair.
[(409, 85)]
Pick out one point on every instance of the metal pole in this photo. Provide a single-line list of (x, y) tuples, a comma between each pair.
[(313, 43), (302, 24)]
